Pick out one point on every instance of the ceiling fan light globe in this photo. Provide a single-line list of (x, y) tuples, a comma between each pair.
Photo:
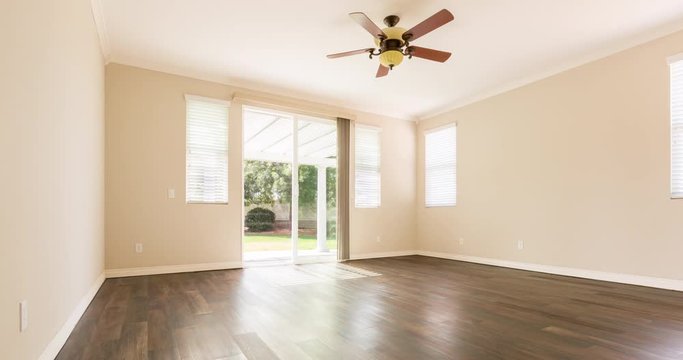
[(391, 58)]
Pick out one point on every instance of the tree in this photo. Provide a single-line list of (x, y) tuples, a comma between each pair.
[(308, 186), (331, 187), (267, 183)]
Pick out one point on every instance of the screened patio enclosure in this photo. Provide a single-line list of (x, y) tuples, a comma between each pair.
[(290, 177)]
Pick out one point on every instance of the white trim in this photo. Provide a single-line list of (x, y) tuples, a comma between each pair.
[(189, 97), (171, 269), (294, 197), (376, 255), (58, 341), (661, 283), (674, 58), (604, 52), (101, 27), (288, 108)]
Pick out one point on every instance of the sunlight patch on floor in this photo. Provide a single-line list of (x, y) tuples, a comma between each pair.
[(309, 273)]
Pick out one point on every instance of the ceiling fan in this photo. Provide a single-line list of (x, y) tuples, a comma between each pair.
[(393, 43)]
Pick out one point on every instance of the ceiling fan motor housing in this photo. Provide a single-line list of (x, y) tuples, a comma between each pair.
[(391, 47), (391, 20)]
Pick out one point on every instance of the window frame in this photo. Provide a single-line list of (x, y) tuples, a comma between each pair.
[(446, 126), (379, 166), (671, 61), (226, 104)]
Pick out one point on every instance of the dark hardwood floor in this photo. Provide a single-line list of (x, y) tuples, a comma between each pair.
[(420, 308)]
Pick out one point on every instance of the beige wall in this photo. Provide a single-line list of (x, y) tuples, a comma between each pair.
[(52, 153), (576, 166), (145, 140), (391, 227)]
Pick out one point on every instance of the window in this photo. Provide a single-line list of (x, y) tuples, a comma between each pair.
[(367, 167), (676, 71), (206, 157), (440, 166)]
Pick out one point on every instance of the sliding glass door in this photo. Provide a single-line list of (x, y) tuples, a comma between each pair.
[(290, 187)]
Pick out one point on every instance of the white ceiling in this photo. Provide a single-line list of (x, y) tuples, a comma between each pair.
[(280, 46)]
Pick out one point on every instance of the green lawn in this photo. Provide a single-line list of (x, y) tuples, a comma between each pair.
[(281, 242)]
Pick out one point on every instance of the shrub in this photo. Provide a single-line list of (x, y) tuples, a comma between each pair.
[(260, 219)]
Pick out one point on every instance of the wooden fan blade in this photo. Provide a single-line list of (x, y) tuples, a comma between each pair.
[(429, 54), (367, 24), (349, 53), (382, 71), (440, 18)]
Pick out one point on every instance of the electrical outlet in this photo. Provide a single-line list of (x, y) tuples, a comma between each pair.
[(138, 248), (171, 193), (23, 315), (379, 238), (462, 241), (520, 244)]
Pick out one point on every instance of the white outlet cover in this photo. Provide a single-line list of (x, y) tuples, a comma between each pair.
[(462, 241), (138, 247), (520, 244), (23, 315), (171, 193)]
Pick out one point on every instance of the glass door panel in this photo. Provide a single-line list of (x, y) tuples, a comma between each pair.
[(317, 189), (268, 151)]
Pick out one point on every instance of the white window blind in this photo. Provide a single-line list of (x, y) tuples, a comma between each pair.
[(367, 167), (440, 167), (676, 70), (206, 150)]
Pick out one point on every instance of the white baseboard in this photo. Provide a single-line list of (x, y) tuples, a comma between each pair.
[(375, 255), (661, 283), (53, 348), (170, 269)]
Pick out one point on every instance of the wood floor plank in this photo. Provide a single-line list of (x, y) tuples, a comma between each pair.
[(254, 348), (133, 343), (197, 303), (316, 349), (419, 308)]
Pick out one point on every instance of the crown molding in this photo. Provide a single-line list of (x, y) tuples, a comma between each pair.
[(100, 25), (249, 91), (604, 52)]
